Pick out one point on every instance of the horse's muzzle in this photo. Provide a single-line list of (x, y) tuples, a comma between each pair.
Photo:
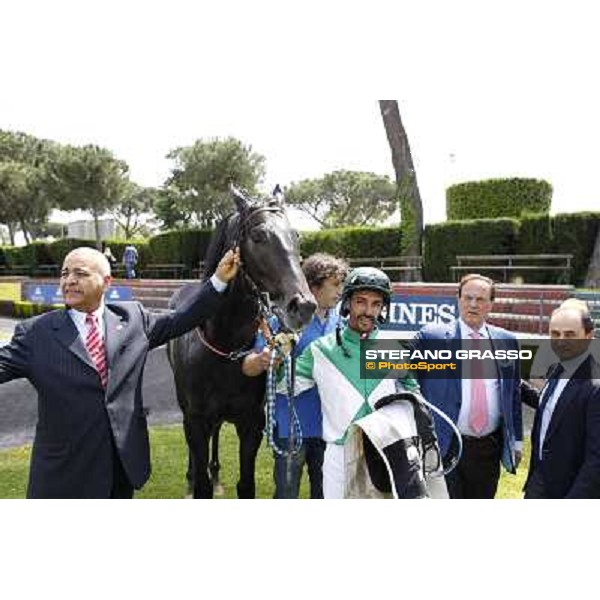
[(300, 310)]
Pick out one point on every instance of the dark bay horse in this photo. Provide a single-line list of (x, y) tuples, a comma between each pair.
[(210, 386)]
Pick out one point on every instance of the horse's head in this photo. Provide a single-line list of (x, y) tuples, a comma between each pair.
[(270, 257)]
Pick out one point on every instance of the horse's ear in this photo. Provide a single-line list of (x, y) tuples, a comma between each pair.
[(278, 197), (242, 202)]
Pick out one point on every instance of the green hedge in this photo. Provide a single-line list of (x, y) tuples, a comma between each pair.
[(117, 247), (188, 247), (535, 237), (352, 242), (495, 198), (575, 233), (572, 233), (444, 241), (60, 248), (24, 309), (23, 255)]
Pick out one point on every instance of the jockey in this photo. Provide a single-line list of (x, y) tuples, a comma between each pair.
[(349, 403)]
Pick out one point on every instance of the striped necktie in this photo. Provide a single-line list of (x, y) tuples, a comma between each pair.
[(478, 414), (95, 348)]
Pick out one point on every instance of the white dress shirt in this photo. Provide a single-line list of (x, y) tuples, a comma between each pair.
[(79, 317), (492, 389), (569, 366)]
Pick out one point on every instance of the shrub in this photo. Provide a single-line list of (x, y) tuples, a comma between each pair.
[(576, 233), (536, 237), (352, 242), (444, 241), (117, 247), (187, 247), (24, 309), (20, 256), (496, 198), (60, 248)]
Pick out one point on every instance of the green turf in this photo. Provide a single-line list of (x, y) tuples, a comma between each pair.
[(169, 461)]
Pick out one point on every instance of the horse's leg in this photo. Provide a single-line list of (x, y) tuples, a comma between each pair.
[(215, 465), (250, 435), (189, 474), (180, 392), (198, 443)]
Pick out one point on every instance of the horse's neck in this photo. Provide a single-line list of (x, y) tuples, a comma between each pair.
[(235, 322)]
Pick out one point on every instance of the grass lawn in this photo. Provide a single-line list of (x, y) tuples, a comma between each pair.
[(169, 462)]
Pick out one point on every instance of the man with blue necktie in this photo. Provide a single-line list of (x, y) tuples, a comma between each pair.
[(565, 440)]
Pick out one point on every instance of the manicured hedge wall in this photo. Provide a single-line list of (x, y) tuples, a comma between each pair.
[(188, 247), (444, 241), (352, 242), (32, 254), (575, 233), (59, 249), (495, 198), (117, 247), (535, 237)]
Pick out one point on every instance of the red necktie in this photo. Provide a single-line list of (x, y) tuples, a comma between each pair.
[(95, 348), (478, 415)]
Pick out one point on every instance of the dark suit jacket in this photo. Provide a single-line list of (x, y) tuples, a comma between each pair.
[(77, 419), (571, 453), (446, 394)]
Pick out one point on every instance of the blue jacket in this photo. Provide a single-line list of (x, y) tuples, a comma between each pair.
[(446, 394), (308, 403)]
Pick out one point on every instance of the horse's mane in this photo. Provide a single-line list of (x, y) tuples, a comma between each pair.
[(217, 247)]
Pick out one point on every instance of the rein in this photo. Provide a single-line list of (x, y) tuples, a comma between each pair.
[(295, 429), (233, 355)]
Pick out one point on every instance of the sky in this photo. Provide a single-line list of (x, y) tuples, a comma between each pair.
[(500, 90)]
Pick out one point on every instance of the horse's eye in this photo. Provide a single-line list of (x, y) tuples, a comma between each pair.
[(258, 235)]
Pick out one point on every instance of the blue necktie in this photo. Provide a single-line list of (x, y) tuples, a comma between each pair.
[(552, 383)]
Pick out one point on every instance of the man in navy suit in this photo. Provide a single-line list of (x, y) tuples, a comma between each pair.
[(86, 362), (487, 411), (565, 440)]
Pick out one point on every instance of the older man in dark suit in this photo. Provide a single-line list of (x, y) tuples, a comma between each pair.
[(86, 363), (565, 440)]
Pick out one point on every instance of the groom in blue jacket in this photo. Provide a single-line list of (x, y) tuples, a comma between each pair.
[(486, 410)]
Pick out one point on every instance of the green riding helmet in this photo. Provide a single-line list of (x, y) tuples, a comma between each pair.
[(367, 278)]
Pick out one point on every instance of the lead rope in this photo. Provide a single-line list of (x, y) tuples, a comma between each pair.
[(295, 430)]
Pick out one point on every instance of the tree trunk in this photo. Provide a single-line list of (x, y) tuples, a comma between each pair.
[(592, 279), (411, 207), (25, 232), (97, 230), (11, 233)]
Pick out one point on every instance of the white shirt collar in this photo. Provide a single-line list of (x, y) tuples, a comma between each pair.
[(465, 330), (79, 316)]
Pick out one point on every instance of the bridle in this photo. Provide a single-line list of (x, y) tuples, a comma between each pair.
[(265, 312)]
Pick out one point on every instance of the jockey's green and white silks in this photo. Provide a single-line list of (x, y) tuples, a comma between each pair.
[(345, 397)]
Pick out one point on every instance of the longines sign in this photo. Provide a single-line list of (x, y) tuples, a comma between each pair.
[(410, 313)]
